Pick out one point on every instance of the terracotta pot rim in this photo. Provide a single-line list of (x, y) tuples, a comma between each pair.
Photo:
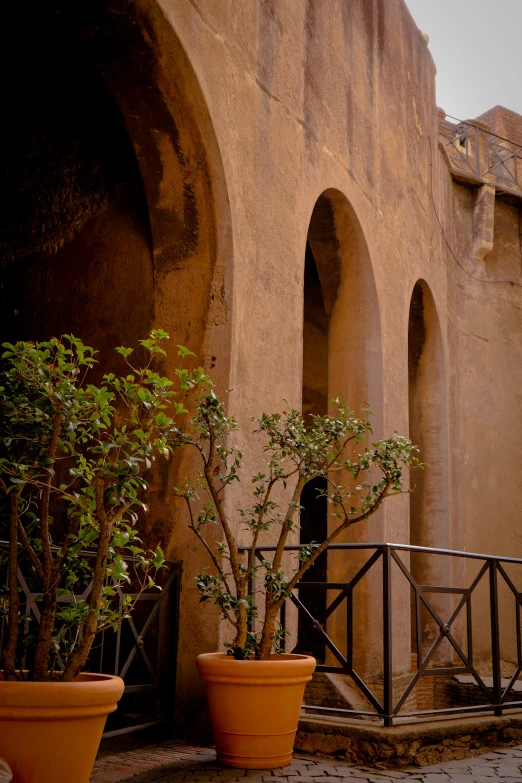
[(295, 659), (87, 689), (84, 679), (279, 670), (52, 730)]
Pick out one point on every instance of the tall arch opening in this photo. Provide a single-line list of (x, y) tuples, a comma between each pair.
[(314, 513), (112, 206), (341, 358), (109, 169), (428, 425)]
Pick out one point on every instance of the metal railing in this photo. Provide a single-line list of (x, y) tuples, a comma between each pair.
[(482, 156), (389, 564), (142, 650)]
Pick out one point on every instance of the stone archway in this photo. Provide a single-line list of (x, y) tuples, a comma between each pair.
[(314, 511), (121, 219), (428, 429), (342, 357)]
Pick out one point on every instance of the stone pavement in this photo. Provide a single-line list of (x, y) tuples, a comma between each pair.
[(200, 766)]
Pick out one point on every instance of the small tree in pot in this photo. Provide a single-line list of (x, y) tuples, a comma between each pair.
[(73, 459), (296, 452)]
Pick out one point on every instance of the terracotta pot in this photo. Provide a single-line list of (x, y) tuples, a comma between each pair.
[(50, 731), (254, 706)]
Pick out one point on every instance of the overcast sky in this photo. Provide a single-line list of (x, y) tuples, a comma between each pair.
[(477, 48)]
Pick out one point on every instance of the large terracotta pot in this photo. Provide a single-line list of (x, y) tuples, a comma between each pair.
[(254, 706), (50, 731)]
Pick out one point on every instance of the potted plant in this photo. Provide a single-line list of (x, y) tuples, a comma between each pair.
[(255, 690), (72, 461)]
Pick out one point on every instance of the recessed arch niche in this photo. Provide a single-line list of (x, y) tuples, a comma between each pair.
[(111, 174), (428, 429), (342, 356), (114, 212)]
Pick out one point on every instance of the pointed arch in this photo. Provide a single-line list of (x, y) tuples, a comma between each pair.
[(342, 357), (345, 270)]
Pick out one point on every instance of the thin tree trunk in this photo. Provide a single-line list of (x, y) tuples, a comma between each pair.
[(268, 633), (242, 619), (77, 660), (40, 667), (9, 656), (267, 636)]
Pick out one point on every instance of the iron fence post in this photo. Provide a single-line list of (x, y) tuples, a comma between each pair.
[(387, 636), (495, 637)]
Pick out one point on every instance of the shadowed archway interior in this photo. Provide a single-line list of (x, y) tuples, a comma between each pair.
[(75, 240), (314, 513), (429, 502), (111, 202), (341, 358)]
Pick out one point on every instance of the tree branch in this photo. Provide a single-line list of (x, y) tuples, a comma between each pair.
[(296, 496), (30, 551), (252, 553), (214, 559), (9, 656), (343, 526), (77, 659), (44, 501)]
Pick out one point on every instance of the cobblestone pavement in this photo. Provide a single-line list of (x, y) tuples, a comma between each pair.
[(200, 767)]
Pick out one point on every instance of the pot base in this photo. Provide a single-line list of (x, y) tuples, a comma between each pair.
[(247, 762)]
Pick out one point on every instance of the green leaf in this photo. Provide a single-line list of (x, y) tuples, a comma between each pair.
[(182, 351), (159, 558), (124, 351)]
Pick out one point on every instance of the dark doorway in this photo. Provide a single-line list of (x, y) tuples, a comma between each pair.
[(313, 528)]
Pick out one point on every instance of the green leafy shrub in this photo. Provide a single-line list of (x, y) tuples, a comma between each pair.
[(295, 452), (72, 462)]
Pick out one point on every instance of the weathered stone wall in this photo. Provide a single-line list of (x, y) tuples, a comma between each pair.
[(306, 98)]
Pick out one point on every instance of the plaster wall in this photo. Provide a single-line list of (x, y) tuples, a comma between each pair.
[(306, 97), (489, 326)]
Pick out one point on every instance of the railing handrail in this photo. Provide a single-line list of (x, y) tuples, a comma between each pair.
[(483, 130), (491, 572), (359, 545), (92, 553), (403, 547)]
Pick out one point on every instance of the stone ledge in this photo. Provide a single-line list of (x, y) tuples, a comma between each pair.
[(417, 744)]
